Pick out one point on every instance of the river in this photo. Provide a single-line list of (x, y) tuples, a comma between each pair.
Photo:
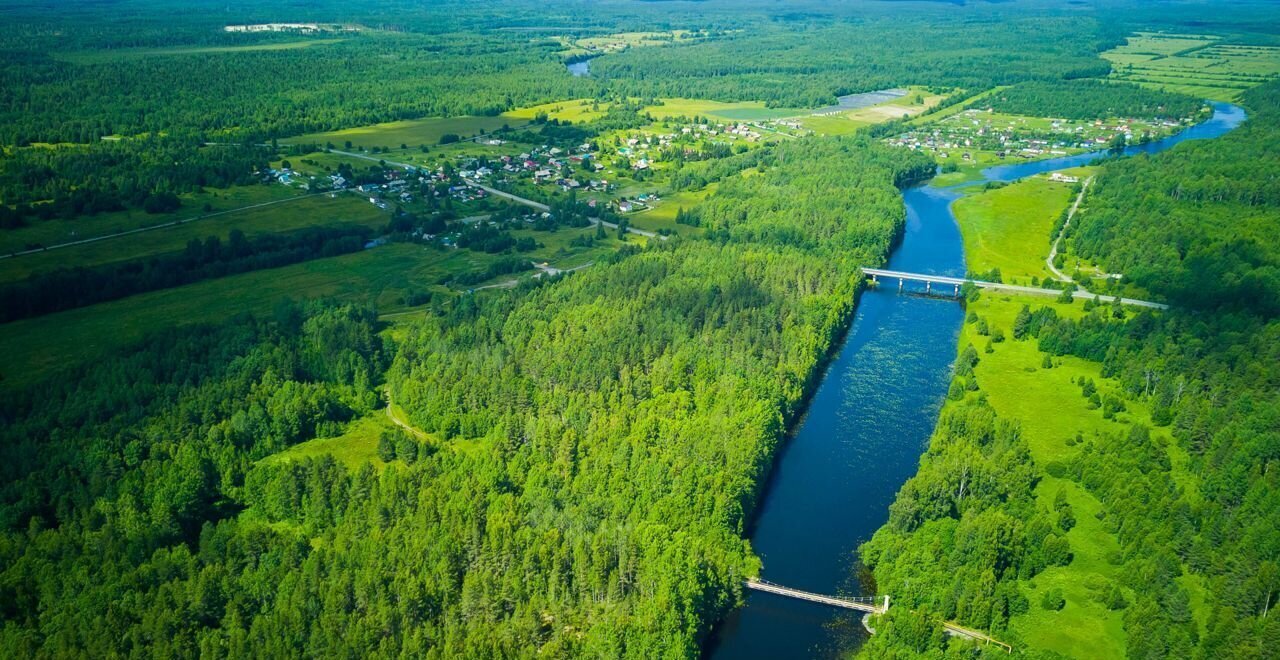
[(867, 424)]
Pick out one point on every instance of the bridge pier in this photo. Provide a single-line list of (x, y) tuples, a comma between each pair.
[(900, 281), (957, 293), (927, 284)]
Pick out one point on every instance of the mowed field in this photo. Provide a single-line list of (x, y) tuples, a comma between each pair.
[(915, 102), (1050, 409), (724, 111), (1010, 228), (412, 132), (1193, 64), (576, 111), (292, 215), (663, 214)]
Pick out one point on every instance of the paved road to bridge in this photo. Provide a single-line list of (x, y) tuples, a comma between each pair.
[(930, 280)]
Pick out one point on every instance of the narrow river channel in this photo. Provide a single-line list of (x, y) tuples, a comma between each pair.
[(866, 427)]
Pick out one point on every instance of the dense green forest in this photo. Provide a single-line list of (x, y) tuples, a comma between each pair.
[(1196, 224), (806, 64), (966, 534), (1091, 99), (378, 75), (581, 455), (599, 442), (70, 181)]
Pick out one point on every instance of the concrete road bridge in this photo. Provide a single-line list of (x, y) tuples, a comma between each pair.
[(942, 282)]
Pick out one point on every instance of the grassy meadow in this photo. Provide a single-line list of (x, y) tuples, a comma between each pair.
[(663, 214), (1050, 409), (356, 446), (382, 277), (735, 111), (914, 103), (411, 132), (1011, 228), (576, 111), (63, 230), (44, 345), (301, 213)]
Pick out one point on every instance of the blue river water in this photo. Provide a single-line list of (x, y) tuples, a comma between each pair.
[(867, 425)]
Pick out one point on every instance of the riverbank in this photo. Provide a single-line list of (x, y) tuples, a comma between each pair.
[(996, 529), (859, 438)]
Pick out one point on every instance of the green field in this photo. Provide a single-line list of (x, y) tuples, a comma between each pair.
[(302, 213), (120, 54), (735, 111), (845, 123), (615, 42), (576, 110), (1048, 406), (55, 231), (1010, 228), (412, 132), (356, 446), (43, 345), (955, 108), (663, 214), (633, 40), (381, 277), (1193, 64)]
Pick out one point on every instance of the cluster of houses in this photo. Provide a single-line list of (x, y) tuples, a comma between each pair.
[(570, 169), (283, 176), (403, 186), (304, 28), (639, 203), (969, 130)]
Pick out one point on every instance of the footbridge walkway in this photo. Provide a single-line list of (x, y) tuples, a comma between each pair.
[(869, 605), (862, 604)]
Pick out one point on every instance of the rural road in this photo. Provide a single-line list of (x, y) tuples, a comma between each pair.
[(395, 419), (1081, 292), (1053, 250), (509, 284), (543, 207), (505, 195)]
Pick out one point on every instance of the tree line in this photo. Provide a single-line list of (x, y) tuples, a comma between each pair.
[(597, 444), (1092, 99), (71, 181), (67, 288), (1201, 508), (1195, 224)]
